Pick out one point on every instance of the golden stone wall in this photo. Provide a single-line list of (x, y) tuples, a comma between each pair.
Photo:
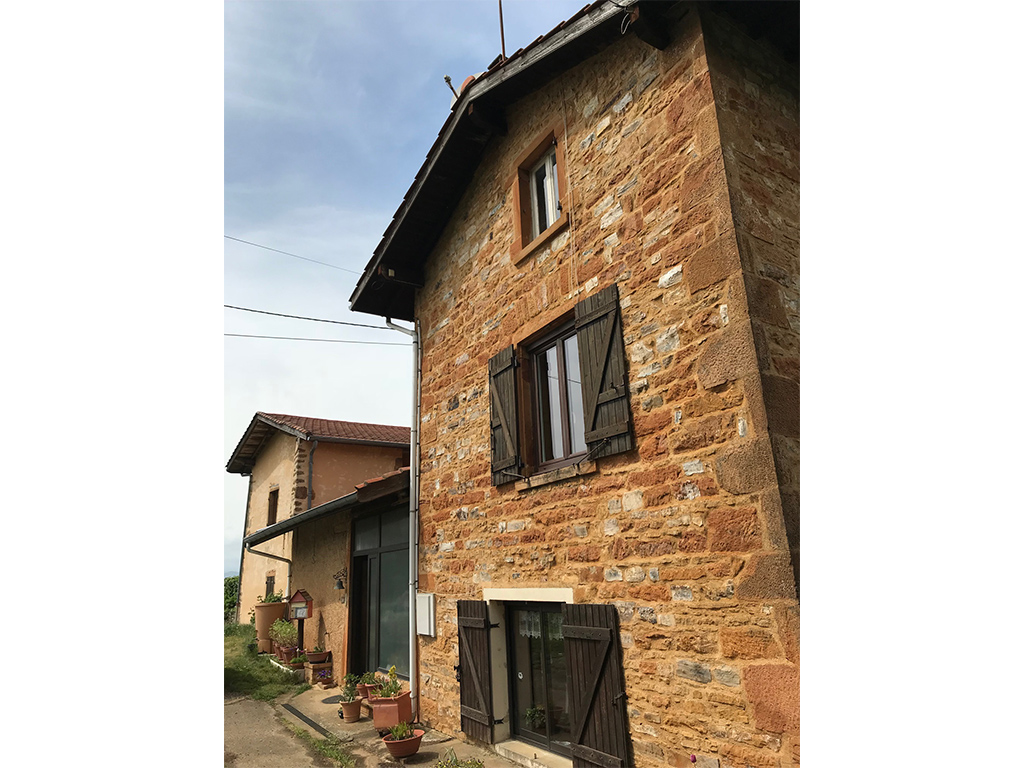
[(685, 534)]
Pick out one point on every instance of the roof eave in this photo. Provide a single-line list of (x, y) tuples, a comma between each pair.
[(494, 89)]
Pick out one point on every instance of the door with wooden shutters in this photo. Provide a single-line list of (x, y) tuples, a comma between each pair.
[(505, 459), (474, 670), (608, 424), (597, 687)]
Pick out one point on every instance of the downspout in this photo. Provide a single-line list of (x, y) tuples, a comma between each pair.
[(288, 591), (241, 554), (309, 495), (414, 509)]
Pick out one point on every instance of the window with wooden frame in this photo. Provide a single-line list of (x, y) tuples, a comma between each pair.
[(272, 507), (562, 396), (538, 189)]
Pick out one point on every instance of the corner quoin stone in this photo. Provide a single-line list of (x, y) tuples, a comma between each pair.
[(747, 469), (727, 358)]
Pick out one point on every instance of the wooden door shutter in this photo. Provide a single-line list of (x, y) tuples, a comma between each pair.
[(505, 459), (474, 670), (607, 422), (597, 687)]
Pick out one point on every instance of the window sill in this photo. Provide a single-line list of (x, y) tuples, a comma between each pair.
[(542, 239), (555, 475)]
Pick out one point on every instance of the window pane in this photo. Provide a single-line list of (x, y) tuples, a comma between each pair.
[(394, 611), (394, 527), (366, 533), (575, 392), (553, 188), (549, 388), (540, 196)]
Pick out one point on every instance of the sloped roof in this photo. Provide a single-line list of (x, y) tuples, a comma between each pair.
[(388, 283), (310, 428), (391, 484)]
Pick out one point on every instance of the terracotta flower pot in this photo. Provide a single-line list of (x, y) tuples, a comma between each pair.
[(288, 653), (366, 691), (404, 747), (267, 614), (391, 711), (351, 711), (317, 657)]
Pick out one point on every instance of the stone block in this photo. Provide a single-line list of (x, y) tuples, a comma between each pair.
[(733, 529), (727, 357), (773, 691), (747, 469), (693, 670), (749, 643), (712, 263)]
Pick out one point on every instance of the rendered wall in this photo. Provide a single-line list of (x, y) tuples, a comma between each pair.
[(321, 549), (682, 534), (285, 460), (274, 466)]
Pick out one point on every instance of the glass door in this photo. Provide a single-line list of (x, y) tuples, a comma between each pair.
[(537, 685)]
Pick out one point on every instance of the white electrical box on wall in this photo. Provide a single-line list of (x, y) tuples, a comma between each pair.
[(425, 622)]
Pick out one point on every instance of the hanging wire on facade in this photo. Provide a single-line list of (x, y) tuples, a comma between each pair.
[(313, 319)]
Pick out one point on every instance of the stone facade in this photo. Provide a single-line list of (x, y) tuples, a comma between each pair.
[(683, 189)]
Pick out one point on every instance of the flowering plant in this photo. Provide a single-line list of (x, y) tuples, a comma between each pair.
[(391, 686)]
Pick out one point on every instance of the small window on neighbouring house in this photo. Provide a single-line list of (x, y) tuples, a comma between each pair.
[(272, 507), (270, 586)]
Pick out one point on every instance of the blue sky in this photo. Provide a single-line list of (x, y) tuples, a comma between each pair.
[(329, 111)]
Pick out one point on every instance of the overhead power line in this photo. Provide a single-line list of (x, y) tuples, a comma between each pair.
[(294, 256), (314, 319), (334, 341)]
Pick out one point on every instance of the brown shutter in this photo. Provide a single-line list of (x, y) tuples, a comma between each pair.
[(597, 687), (607, 422), (474, 670), (505, 460)]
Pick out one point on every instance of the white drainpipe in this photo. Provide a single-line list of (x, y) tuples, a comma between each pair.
[(414, 509)]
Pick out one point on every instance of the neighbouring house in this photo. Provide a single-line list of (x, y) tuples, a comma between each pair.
[(294, 463), (601, 257)]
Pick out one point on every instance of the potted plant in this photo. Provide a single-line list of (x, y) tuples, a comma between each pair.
[(286, 635), (391, 705), (298, 662), (351, 701), (268, 610), (367, 685), (318, 655), (402, 740)]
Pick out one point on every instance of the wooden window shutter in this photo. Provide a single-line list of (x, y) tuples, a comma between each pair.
[(597, 687), (607, 422), (473, 672), (505, 458)]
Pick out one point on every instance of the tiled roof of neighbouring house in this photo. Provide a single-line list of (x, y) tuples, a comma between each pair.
[(309, 428)]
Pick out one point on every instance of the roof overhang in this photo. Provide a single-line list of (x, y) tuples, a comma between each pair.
[(371, 495), (261, 427), (388, 284)]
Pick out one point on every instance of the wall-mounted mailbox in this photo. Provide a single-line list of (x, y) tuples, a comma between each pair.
[(299, 605)]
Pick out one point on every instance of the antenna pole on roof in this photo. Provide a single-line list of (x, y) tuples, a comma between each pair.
[(501, 22)]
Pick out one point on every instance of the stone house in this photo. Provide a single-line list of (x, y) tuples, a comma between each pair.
[(600, 258), (293, 462)]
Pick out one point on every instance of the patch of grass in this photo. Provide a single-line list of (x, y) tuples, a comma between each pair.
[(248, 674), (330, 747)]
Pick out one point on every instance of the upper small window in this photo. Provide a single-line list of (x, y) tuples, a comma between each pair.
[(272, 507), (538, 189), (544, 193)]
